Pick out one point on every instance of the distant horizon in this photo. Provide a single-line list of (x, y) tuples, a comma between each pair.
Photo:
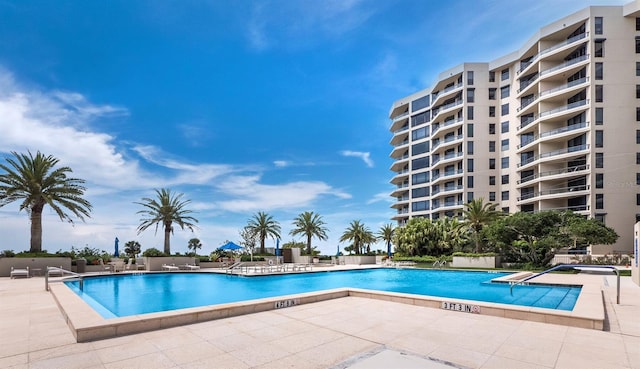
[(277, 106)]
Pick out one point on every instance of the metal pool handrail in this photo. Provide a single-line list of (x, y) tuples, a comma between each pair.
[(573, 266), (63, 271)]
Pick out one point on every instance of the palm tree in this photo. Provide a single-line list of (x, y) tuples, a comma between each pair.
[(311, 225), (358, 234), (264, 226), (194, 244), (166, 209), (35, 181), (386, 234), (479, 214), (132, 248)]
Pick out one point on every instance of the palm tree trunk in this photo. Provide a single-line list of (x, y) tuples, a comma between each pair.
[(36, 229), (167, 239), (262, 245), (309, 245)]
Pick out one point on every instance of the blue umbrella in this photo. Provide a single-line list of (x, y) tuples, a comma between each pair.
[(278, 247), (230, 246), (116, 253), (389, 249), (338, 250)]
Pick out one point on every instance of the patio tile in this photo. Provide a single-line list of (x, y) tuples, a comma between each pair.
[(225, 361), (192, 352)]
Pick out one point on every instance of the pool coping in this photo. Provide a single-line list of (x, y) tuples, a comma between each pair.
[(87, 325)]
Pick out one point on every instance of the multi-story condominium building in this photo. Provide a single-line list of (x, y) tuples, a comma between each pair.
[(553, 125)]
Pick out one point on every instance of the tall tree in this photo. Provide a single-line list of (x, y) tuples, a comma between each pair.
[(310, 225), (249, 239), (478, 214), (194, 244), (166, 209), (264, 226), (386, 234), (358, 234), (35, 181), (132, 248)]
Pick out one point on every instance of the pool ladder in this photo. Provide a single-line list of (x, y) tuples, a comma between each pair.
[(62, 272)]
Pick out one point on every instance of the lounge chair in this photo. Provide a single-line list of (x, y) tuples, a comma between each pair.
[(129, 264), (169, 267), (140, 264), (106, 268), (15, 272), (192, 267)]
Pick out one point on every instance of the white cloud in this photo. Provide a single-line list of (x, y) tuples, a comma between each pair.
[(281, 163), (382, 196), (365, 156)]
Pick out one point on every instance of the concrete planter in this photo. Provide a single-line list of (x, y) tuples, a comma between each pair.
[(485, 262), (37, 266), (358, 259)]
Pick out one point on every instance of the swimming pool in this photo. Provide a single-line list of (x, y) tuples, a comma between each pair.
[(126, 295)]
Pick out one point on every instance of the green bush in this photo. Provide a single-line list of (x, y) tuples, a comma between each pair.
[(248, 258), (7, 254), (422, 259), (152, 252), (472, 255)]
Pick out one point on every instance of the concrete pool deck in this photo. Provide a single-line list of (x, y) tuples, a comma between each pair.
[(349, 332)]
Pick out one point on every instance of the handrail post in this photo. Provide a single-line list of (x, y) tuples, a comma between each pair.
[(46, 279), (618, 286)]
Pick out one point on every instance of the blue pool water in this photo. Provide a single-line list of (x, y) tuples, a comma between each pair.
[(124, 295)]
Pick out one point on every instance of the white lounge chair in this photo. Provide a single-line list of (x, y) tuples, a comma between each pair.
[(15, 272), (55, 271), (106, 268), (169, 267), (192, 267), (140, 264), (129, 264)]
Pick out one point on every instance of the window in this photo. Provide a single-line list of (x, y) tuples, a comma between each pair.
[(420, 103), (638, 158), (420, 163), (637, 45), (492, 163), (470, 181), (420, 192), (637, 203), (638, 178), (637, 24), (470, 77), (599, 93), (599, 138), (469, 112), (504, 162), (492, 128), (470, 165), (492, 146), (598, 26), (637, 91), (492, 111), (469, 196), (637, 69), (470, 147), (599, 201), (419, 133), (504, 127), (420, 205), (471, 94), (598, 48), (637, 114), (492, 180), (504, 92), (420, 118), (505, 210), (599, 116), (504, 74), (492, 93), (504, 109), (505, 179), (600, 180), (505, 195), (492, 196), (469, 130), (504, 145), (420, 148), (420, 178), (599, 160), (600, 217), (637, 136), (599, 71), (492, 76)]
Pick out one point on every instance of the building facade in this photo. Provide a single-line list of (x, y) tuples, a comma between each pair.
[(553, 125)]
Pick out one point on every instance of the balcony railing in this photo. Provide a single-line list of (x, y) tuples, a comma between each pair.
[(560, 130), (448, 156), (565, 64), (572, 208), (402, 129), (565, 86), (436, 127), (576, 168), (554, 191), (526, 65), (437, 110), (527, 102), (564, 43), (565, 107), (447, 174), (446, 90), (526, 83), (447, 204), (401, 116), (525, 122), (553, 153), (405, 142)]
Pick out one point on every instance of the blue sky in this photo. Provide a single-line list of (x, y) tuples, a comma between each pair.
[(244, 106)]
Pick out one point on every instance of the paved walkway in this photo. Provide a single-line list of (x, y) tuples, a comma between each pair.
[(351, 332)]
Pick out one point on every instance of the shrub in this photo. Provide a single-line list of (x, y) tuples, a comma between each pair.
[(152, 252), (245, 257), (7, 254), (472, 255)]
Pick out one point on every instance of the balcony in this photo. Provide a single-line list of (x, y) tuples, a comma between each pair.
[(564, 86), (576, 208), (526, 122), (400, 117), (577, 170), (446, 157), (566, 42), (557, 192), (401, 129), (527, 83), (447, 204), (435, 112), (448, 123), (447, 189), (447, 175), (566, 64), (446, 142), (564, 108), (442, 93), (565, 129), (527, 102), (550, 154), (524, 66)]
